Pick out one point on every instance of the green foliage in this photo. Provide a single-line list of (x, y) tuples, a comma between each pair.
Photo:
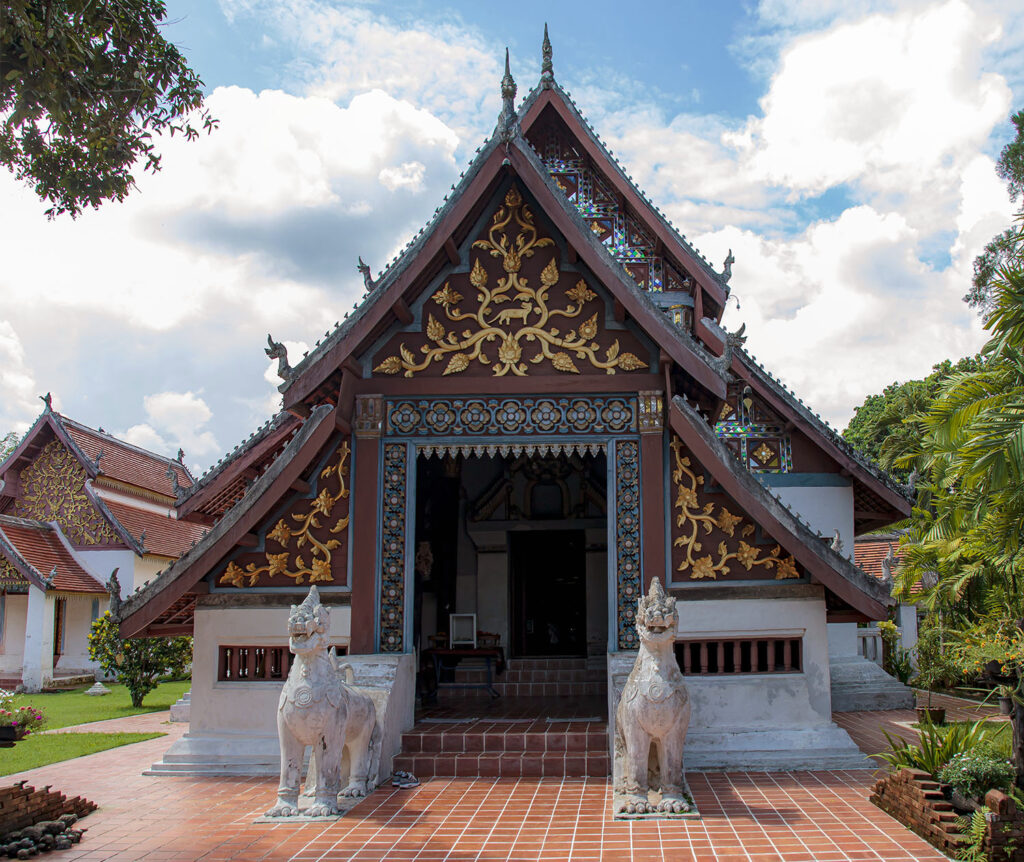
[(975, 828), (937, 663), (8, 443), (44, 748), (137, 662), (887, 427), (85, 87), (1006, 247), (937, 746), (66, 708), (896, 661), (973, 773)]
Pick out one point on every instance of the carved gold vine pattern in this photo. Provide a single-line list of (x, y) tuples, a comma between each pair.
[(53, 489), (693, 519), (318, 569), (489, 324)]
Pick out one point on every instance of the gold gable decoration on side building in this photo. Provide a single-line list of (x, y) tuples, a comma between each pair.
[(319, 568), (53, 489), (692, 519), (489, 324)]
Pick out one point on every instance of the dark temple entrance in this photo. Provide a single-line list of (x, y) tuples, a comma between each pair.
[(548, 586)]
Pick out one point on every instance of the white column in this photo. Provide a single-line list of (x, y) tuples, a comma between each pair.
[(906, 619), (35, 635)]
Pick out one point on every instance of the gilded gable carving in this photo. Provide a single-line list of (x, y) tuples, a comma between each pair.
[(303, 544), (53, 489), (701, 519), (529, 317)]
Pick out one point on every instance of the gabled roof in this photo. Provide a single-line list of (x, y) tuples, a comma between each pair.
[(168, 590), (156, 533), (551, 94), (861, 591), (119, 461), (36, 550), (225, 482)]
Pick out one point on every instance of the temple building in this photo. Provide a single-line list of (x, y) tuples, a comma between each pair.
[(534, 411), (76, 504)]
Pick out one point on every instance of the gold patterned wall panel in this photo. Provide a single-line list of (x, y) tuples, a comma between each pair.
[(305, 543), (529, 317), (709, 540), (53, 489)]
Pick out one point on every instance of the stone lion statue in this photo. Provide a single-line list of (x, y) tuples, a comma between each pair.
[(320, 707), (653, 715)]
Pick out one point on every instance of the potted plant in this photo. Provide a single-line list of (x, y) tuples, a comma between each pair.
[(18, 723), (936, 668)]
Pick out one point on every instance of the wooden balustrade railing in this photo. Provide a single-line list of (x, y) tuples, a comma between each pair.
[(741, 655), (257, 663)]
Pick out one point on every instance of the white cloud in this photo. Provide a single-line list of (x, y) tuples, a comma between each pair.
[(175, 420), (18, 404)]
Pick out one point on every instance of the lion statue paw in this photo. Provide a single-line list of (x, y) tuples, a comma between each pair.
[(283, 809)]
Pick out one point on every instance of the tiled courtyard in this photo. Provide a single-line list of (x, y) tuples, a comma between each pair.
[(754, 817)]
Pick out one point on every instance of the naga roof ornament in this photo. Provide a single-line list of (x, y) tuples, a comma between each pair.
[(368, 281), (508, 122), (278, 351), (48, 401), (727, 268), (547, 73)]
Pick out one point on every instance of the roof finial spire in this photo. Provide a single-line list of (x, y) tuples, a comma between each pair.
[(47, 399), (547, 72), (508, 123)]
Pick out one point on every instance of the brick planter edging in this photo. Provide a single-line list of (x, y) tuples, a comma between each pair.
[(1005, 839), (916, 800)]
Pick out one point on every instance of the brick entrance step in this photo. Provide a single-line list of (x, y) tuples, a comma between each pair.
[(510, 749), (541, 677)]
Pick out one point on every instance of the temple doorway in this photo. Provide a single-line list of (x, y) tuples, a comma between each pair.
[(517, 540), (548, 579)]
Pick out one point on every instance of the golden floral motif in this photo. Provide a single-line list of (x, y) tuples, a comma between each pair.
[(318, 570), (490, 324), (693, 520), (53, 489)]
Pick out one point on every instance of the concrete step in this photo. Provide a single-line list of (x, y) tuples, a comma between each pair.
[(493, 765)]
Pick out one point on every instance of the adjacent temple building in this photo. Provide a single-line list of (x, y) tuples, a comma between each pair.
[(533, 413), (77, 504)]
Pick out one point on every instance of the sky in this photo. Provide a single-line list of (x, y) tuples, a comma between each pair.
[(843, 149)]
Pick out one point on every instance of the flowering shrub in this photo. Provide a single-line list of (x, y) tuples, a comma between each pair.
[(974, 773), (25, 718), (6, 697)]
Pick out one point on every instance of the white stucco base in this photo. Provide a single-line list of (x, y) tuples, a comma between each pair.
[(233, 725), (770, 722)]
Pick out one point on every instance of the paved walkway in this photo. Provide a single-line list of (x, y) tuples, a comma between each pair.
[(147, 722), (754, 817)]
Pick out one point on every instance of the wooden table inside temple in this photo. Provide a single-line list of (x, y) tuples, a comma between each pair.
[(448, 659)]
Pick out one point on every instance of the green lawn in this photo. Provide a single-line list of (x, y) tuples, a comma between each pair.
[(64, 708), (42, 748)]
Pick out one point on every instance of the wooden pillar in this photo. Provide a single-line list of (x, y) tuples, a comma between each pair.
[(652, 486), (363, 527)]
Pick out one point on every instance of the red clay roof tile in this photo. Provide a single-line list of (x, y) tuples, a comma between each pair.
[(41, 547)]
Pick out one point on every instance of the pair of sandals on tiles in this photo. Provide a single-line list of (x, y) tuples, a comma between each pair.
[(404, 780)]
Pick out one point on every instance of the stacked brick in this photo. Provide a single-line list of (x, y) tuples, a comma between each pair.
[(916, 800), (1005, 839), (21, 805)]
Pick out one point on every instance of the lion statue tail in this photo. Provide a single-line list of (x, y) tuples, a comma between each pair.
[(342, 667)]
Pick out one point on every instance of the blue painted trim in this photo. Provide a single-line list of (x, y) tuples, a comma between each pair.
[(803, 480), (378, 557), (611, 554), (408, 538)]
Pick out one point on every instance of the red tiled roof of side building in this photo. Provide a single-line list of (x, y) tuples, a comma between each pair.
[(41, 547), (165, 536), (868, 553), (125, 462)]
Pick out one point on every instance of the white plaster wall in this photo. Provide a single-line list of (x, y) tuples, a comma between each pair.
[(147, 567), (242, 706), (101, 563), (842, 639), (760, 700), (233, 727), (12, 646), (825, 509), (77, 622)]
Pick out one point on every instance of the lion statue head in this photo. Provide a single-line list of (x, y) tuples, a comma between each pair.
[(308, 624), (656, 615)]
